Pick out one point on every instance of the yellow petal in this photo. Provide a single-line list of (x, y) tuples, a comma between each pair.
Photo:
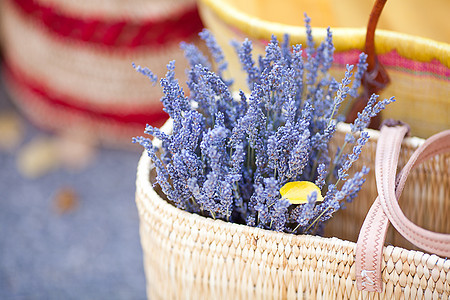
[(297, 192)]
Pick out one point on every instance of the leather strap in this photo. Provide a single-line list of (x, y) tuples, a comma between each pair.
[(369, 248), (436, 243), (371, 239)]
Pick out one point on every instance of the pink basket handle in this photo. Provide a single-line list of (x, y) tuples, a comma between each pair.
[(385, 208)]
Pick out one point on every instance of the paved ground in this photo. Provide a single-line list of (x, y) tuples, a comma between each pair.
[(92, 252)]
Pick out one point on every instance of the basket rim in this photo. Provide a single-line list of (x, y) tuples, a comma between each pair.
[(344, 38)]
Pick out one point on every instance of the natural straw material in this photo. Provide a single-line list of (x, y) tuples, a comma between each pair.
[(187, 256)]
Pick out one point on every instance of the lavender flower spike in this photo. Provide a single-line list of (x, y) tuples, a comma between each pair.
[(342, 92), (247, 62), (363, 119), (361, 69), (380, 106), (310, 41), (342, 172), (194, 55), (147, 72), (250, 158), (328, 52), (321, 175), (215, 50)]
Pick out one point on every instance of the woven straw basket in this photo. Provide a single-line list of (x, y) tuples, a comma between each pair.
[(68, 63), (187, 256)]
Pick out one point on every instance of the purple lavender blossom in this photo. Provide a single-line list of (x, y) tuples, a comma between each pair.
[(298, 68), (214, 150), (342, 92), (352, 186), (342, 172), (279, 215), (157, 133), (194, 55), (303, 214), (325, 210), (380, 106), (184, 166), (227, 158), (147, 72), (270, 208), (237, 159), (299, 156), (162, 177), (361, 69), (226, 199), (247, 62), (327, 53), (321, 175), (212, 95), (372, 109), (189, 133), (273, 52), (242, 106), (312, 66), (201, 92), (174, 99), (280, 145), (334, 198), (313, 61), (286, 50), (203, 198), (215, 51), (251, 220), (310, 40), (349, 139), (363, 119)]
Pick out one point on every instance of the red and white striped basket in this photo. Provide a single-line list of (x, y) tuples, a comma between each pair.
[(67, 64)]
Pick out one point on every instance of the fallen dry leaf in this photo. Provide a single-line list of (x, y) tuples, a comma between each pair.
[(75, 153), (66, 200), (38, 157), (11, 130)]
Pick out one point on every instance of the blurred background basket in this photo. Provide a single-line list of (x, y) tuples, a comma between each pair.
[(68, 63), (419, 68)]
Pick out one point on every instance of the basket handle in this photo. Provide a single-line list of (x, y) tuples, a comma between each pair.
[(385, 208), (375, 78)]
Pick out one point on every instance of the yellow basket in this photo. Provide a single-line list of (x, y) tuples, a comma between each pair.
[(419, 68)]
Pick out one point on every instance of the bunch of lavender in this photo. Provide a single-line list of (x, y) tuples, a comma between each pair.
[(260, 158)]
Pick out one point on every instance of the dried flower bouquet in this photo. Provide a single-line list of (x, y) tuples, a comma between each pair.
[(262, 158)]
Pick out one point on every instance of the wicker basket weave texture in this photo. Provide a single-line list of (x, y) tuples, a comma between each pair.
[(187, 256), (425, 199)]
